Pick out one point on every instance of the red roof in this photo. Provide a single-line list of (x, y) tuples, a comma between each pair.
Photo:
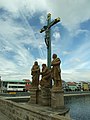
[(71, 83)]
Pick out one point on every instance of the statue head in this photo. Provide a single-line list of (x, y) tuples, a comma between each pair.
[(54, 56), (43, 65), (35, 63)]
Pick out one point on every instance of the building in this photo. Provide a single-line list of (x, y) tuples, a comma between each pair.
[(27, 85), (85, 86), (72, 86), (15, 85)]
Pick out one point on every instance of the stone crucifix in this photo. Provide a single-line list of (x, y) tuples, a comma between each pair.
[(47, 30)]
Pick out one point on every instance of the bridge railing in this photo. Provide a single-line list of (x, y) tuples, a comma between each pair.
[(16, 111)]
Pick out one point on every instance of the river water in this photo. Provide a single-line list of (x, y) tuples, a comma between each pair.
[(79, 107)]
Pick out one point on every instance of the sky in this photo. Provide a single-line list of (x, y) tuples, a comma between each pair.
[(21, 43)]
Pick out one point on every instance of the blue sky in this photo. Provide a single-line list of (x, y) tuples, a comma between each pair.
[(21, 43)]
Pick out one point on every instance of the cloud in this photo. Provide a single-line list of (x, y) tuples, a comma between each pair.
[(74, 10), (72, 13), (66, 52), (56, 35), (41, 61), (14, 58), (75, 60), (28, 5), (14, 36), (20, 41), (43, 19), (76, 75)]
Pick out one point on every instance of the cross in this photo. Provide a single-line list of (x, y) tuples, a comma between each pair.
[(47, 30)]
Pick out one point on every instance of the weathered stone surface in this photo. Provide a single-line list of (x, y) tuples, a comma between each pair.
[(56, 71), (46, 76), (31, 112), (57, 98), (35, 72), (3, 117), (45, 97), (34, 95)]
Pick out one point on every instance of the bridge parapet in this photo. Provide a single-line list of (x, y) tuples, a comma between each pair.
[(16, 111)]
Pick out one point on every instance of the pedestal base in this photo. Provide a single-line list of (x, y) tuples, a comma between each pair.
[(57, 98), (34, 93), (45, 97)]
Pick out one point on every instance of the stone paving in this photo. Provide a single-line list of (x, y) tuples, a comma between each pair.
[(3, 117)]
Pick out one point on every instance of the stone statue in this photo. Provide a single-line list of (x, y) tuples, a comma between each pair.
[(56, 71), (35, 72), (46, 76)]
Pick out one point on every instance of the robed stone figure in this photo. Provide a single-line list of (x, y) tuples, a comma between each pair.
[(56, 71), (46, 76), (35, 72)]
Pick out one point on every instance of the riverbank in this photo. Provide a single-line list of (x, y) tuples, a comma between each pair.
[(70, 93), (77, 93)]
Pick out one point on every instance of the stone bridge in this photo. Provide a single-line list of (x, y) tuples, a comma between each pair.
[(14, 111), (3, 116)]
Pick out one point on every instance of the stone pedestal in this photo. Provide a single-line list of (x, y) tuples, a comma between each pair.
[(57, 98), (34, 93), (45, 97)]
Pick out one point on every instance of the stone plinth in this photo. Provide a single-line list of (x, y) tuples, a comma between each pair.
[(45, 96), (57, 98), (34, 93)]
